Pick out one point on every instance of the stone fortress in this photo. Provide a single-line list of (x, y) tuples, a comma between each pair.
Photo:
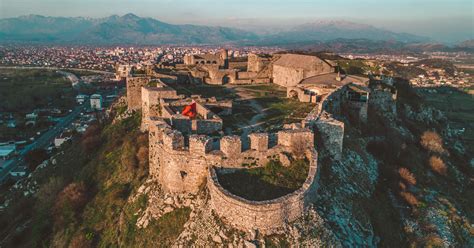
[(189, 153)]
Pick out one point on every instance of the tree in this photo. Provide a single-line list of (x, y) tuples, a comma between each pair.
[(410, 198), (437, 164), (91, 143), (432, 142), (35, 157), (407, 176), (354, 70), (91, 138), (69, 203), (299, 147)]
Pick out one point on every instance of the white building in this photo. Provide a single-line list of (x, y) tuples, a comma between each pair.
[(96, 102), (80, 99), (58, 141), (7, 151), (20, 171)]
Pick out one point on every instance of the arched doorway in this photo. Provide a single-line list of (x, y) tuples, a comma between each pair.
[(293, 94), (225, 79)]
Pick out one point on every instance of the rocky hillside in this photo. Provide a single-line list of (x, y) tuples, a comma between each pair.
[(405, 180)]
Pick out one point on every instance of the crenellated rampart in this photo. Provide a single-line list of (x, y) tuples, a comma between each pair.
[(180, 162)]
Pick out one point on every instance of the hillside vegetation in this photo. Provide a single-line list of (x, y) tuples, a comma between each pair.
[(83, 198)]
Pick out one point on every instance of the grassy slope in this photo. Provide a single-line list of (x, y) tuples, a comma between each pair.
[(111, 174), (458, 107)]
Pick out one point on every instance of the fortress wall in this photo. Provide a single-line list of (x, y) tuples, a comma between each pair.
[(256, 63), (383, 101), (216, 76), (285, 76), (264, 216), (134, 92), (296, 137), (181, 123), (246, 75), (252, 81), (207, 126), (259, 141), (331, 133), (180, 168), (203, 111), (253, 64), (237, 65), (151, 102)]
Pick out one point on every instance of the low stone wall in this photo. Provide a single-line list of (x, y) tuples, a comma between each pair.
[(265, 216), (207, 126)]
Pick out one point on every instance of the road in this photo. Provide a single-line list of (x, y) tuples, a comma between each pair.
[(43, 141)]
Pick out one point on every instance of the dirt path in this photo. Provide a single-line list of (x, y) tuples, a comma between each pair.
[(255, 120)]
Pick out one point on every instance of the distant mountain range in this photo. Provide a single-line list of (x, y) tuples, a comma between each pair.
[(131, 29), (376, 46), (127, 29), (332, 30)]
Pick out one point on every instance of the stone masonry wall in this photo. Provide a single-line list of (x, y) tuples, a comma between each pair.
[(182, 169), (383, 101), (151, 105), (331, 132), (134, 91), (264, 216), (285, 76)]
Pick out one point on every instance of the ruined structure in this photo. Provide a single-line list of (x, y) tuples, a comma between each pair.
[(122, 71), (183, 158), (221, 69), (291, 69), (182, 164), (134, 91), (220, 59)]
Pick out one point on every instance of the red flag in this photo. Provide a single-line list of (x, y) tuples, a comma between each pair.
[(190, 110)]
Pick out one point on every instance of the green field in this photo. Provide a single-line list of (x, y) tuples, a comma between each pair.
[(80, 73), (22, 91), (458, 106)]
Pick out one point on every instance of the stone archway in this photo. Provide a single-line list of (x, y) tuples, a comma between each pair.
[(293, 94), (225, 79)]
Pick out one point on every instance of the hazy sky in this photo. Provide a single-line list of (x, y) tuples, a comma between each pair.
[(447, 20)]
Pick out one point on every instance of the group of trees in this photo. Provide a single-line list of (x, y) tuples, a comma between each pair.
[(135, 153), (35, 157), (433, 143), (91, 139)]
